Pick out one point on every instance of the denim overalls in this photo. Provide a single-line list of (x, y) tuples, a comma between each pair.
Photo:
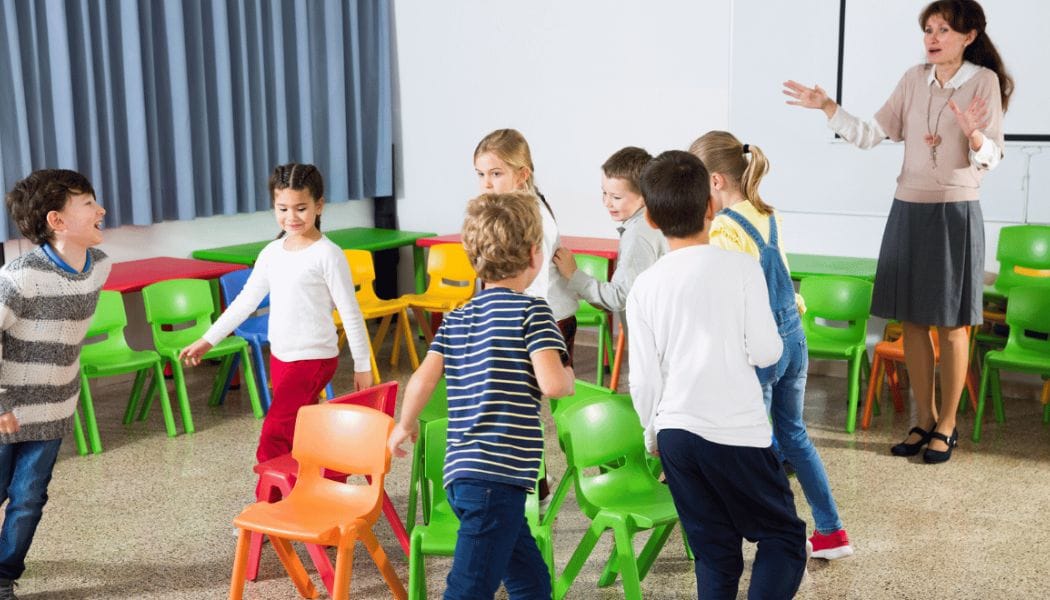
[(784, 384)]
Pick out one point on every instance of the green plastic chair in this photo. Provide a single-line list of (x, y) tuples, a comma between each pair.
[(437, 537), (843, 299), (111, 355), (436, 408), (588, 315), (1027, 349), (178, 302), (624, 496)]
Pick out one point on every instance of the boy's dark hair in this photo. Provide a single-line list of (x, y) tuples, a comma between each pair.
[(677, 190), (297, 177), (39, 193), (627, 164)]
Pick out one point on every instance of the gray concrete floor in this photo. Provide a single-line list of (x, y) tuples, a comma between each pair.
[(150, 517)]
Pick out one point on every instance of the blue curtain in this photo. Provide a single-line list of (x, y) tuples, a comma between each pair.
[(179, 109)]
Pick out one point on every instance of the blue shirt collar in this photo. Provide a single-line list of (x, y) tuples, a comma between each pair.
[(61, 264)]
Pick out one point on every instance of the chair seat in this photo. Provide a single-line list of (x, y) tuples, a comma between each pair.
[(895, 351), (1018, 359), (228, 345), (115, 363), (822, 347), (644, 511), (434, 301), (304, 521), (382, 307), (281, 464), (438, 537), (589, 315)]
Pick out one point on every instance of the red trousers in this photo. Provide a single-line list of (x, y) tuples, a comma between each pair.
[(295, 385)]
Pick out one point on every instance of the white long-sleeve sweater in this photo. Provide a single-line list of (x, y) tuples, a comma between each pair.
[(304, 286), (700, 323)]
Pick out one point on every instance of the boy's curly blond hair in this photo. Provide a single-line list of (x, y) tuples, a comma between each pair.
[(499, 233)]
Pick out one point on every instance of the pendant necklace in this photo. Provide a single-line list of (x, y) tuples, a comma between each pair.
[(933, 139)]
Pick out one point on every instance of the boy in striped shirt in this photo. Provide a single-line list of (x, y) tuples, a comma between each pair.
[(500, 354)]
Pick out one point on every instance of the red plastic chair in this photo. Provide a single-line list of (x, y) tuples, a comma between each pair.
[(277, 477)]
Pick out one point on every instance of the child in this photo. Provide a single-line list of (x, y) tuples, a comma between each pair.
[(47, 299), (640, 243), (700, 322), (495, 439), (745, 223), (305, 273), (503, 164)]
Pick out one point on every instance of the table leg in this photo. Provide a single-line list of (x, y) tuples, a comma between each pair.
[(419, 268)]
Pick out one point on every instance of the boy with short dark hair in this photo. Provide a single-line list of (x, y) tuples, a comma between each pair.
[(500, 353), (47, 299), (700, 323)]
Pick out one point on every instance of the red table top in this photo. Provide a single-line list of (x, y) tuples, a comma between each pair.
[(604, 247), (133, 275)]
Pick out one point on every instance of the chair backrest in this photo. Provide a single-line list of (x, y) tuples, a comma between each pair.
[(595, 266), (584, 390), (437, 406), (174, 302), (604, 431), (109, 320), (450, 272), (434, 462), (1022, 250), (1028, 315), (233, 282), (382, 397), (836, 298), (347, 439), (363, 273)]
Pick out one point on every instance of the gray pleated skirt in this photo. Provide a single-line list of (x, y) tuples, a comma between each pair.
[(931, 265)]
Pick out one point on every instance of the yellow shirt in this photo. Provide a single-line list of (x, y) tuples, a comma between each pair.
[(728, 234)]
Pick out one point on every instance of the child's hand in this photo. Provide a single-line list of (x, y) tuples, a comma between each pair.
[(9, 423), (565, 261), (191, 355), (362, 380), (399, 435)]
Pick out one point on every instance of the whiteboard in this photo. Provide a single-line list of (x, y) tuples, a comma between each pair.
[(880, 40)]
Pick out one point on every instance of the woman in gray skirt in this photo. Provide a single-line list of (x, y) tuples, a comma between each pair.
[(949, 113)]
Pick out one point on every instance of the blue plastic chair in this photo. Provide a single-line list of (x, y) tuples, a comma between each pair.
[(256, 330)]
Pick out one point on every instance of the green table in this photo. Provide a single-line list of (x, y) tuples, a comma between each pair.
[(804, 265), (353, 238)]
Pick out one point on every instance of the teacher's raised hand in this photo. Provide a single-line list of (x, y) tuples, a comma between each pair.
[(809, 97), (972, 120)]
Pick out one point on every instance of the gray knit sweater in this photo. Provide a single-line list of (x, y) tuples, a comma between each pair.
[(44, 314)]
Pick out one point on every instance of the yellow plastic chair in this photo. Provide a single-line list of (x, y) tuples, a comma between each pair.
[(363, 272), (452, 284), (347, 439), (111, 355)]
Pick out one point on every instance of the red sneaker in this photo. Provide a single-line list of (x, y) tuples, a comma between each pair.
[(832, 546)]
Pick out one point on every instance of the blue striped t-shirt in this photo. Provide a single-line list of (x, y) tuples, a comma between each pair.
[(494, 428)]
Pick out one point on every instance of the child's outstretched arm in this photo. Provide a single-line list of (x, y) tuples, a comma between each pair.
[(341, 288), (555, 380), (417, 394)]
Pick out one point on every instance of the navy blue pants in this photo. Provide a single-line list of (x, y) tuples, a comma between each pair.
[(725, 494), (25, 471)]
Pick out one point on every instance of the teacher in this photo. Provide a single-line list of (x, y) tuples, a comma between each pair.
[(931, 264)]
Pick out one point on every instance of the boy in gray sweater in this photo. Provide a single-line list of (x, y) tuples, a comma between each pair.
[(47, 299)]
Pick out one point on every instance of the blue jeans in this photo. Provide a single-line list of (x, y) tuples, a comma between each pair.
[(25, 471), (487, 549), (725, 494), (784, 400)]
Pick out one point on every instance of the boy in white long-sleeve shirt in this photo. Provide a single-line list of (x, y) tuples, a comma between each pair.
[(700, 323)]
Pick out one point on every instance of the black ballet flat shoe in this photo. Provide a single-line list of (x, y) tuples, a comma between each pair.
[(906, 449), (934, 457)]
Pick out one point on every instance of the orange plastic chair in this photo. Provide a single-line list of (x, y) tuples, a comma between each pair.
[(452, 284), (344, 438), (888, 354), (277, 477), (363, 272)]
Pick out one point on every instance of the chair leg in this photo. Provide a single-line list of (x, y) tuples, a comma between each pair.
[(78, 434), (652, 548), (380, 337), (417, 576), (94, 440), (875, 381), (997, 397), (344, 555), (135, 398), (319, 556), (618, 361), (383, 563), (853, 391), (599, 373), (979, 413), (222, 380), (184, 399), (896, 381), (424, 324), (395, 523), (576, 562), (249, 379), (239, 560), (165, 401), (410, 344), (632, 585), (294, 567), (262, 375)]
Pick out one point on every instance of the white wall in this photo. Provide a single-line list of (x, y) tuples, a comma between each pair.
[(579, 79)]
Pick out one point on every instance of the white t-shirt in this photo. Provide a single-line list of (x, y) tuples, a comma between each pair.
[(304, 286), (700, 323)]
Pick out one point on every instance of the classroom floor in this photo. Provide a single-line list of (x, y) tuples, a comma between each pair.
[(150, 517)]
